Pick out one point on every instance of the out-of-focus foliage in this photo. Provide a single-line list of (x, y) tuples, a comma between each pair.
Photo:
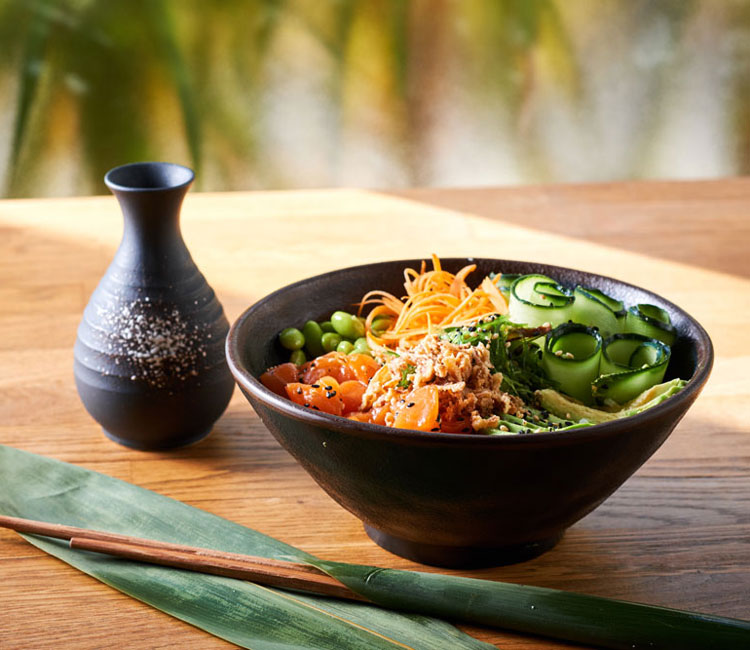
[(304, 93)]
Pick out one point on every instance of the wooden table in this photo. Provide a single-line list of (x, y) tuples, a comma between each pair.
[(676, 534)]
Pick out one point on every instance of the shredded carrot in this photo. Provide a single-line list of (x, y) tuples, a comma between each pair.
[(434, 299)]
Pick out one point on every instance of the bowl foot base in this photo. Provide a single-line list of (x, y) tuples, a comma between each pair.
[(461, 557), (160, 445)]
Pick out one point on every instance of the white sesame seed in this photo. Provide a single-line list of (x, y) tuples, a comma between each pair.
[(154, 346)]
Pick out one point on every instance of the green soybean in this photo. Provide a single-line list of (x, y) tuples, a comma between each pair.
[(297, 357), (344, 347), (291, 338), (381, 323), (361, 347), (330, 341), (326, 326), (349, 326), (313, 334)]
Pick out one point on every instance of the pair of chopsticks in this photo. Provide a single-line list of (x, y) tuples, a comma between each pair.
[(265, 571)]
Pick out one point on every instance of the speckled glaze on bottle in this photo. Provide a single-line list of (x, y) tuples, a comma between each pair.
[(149, 357)]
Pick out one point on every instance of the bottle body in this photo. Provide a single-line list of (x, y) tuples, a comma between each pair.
[(149, 358)]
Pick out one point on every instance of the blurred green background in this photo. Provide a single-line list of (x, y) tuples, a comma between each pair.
[(273, 94)]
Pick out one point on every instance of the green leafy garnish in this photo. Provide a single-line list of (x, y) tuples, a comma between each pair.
[(405, 382), (513, 353)]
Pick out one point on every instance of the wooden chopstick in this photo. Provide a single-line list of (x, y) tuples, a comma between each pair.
[(61, 531), (266, 571)]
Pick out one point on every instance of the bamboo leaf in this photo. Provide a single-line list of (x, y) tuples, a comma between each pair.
[(259, 617), (601, 622), (180, 75), (31, 66), (243, 613)]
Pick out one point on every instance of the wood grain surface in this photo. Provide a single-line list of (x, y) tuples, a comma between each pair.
[(676, 534)]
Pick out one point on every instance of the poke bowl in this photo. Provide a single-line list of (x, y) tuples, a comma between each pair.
[(448, 499)]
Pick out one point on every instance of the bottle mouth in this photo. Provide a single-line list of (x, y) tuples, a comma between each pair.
[(148, 176)]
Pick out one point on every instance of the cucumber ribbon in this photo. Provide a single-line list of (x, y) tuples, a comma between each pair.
[(614, 370), (537, 299), (599, 352), (631, 363), (572, 357), (503, 282), (651, 321), (597, 309)]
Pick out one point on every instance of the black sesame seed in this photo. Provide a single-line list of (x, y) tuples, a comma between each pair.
[(316, 408), (306, 405), (316, 386), (331, 394), (410, 404), (328, 387), (299, 391)]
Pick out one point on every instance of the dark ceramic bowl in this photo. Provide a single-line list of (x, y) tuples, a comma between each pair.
[(448, 499)]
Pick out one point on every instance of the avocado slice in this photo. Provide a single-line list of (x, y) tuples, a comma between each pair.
[(566, 407)]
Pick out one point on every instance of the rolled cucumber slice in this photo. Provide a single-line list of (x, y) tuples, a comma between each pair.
[(537, 299), (503, 282), (596, 309), (631, 363), (572, 356), (651, 321), (617, 306)]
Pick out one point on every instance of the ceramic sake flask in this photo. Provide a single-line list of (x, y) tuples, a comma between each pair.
[(149, 356)]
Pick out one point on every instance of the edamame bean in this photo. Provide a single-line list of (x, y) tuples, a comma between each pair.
[(345, 347), (350, 327), (330, 341), (381, 323), (291, 338), (360, 346), (297, 357), (326, 326), (312, 333)]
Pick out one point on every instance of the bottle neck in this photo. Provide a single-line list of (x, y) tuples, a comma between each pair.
[(152, 242)]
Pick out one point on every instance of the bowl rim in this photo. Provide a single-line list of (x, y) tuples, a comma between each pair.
[(252, 386)]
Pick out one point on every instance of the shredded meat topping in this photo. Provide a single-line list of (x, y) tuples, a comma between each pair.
[(469, 389)]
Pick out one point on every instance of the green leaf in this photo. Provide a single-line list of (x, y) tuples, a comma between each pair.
[(513, 353), (405, 372), (31, 69), (179, 73), (243, 613), (601, 622)]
